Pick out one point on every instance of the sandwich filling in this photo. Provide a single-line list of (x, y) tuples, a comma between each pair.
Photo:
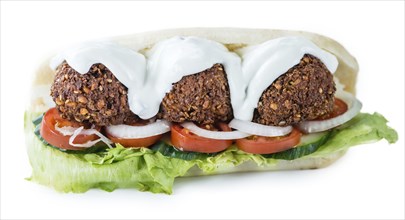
[(264, 90)]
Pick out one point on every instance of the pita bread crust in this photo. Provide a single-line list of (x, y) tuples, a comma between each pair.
[(297, 164)]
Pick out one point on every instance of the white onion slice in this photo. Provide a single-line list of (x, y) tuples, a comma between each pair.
[(218, 135), (74, 132), (66, 130), (88, 144), (353, 108), (259, 129), (128, 131)]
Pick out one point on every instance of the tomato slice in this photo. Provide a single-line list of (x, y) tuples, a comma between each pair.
[(339, 108), (55, 138), (183, 139), (268, 145)]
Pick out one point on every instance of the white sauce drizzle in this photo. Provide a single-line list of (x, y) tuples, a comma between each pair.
[(148, 80), (127, 65)]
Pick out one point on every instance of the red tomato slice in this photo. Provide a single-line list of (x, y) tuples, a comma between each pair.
[(55, 138), (339, 108), (268, 145), (183, 139)]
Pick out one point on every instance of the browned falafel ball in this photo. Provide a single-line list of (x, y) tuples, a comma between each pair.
[(96, 97), (304, 92), (203, 97)]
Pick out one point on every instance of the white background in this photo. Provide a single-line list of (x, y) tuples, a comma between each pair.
[(367, 183)]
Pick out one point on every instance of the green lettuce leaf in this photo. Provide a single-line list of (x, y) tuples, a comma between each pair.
[(155, 169), (364, 128)]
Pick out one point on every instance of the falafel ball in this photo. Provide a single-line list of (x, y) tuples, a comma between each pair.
[(96, 97), (203, 97), (304, 92)]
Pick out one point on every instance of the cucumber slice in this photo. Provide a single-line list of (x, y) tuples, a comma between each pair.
[(170, 151), (309, 143), (312, 138)]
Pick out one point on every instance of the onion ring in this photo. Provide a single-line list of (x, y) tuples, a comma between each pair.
[(149, 130), (259, 129), (218, 135), (353, 108)]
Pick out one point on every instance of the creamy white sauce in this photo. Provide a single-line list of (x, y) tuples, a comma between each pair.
[(128, 66), (149, 79)]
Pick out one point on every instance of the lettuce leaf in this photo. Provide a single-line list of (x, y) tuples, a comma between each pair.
[(117, 168), (155, 169), (364, 128)]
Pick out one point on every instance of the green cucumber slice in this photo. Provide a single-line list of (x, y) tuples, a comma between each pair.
[(312, 138), (170, 151), (309, 143)]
